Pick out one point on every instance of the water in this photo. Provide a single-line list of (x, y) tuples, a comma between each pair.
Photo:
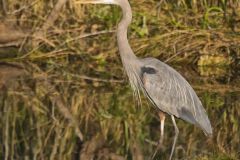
[(33, 124)]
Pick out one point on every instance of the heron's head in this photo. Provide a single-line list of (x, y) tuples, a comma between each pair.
[(117, 2)]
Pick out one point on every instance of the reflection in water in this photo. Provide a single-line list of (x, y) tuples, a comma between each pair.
[(34, 126)]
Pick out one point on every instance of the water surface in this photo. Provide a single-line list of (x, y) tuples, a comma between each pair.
[(35, 124)]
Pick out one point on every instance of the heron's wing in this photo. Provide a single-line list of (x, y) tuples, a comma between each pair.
[(171, 93)]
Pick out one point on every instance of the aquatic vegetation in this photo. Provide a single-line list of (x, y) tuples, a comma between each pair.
[(73, 83)]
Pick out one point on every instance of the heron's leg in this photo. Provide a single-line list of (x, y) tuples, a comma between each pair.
[(160, 141), (175, 137), (162, 120)]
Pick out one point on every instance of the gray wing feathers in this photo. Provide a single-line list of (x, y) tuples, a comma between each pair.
[(172, 94)]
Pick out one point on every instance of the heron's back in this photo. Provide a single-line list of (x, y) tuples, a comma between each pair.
[(172, 94)]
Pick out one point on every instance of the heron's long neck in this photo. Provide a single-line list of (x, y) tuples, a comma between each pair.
[(129, 60), (125, 50)]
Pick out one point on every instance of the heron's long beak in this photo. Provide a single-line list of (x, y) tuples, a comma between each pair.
[(94, 1)]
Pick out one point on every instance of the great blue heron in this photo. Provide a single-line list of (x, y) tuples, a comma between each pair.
[(169, 92)]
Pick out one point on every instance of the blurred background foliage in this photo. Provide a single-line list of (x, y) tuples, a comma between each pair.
[(71, 82)]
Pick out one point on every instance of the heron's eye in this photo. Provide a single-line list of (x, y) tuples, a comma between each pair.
[(148, 70)]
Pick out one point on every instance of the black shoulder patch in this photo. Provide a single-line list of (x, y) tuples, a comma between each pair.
[(148, 70)]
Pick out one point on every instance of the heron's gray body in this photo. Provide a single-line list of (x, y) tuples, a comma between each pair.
[(172, 94)]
